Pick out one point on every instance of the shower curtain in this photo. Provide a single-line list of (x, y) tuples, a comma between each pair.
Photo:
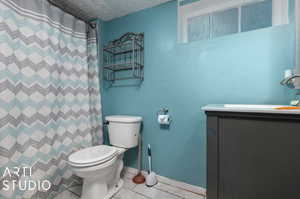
[(49, 96)]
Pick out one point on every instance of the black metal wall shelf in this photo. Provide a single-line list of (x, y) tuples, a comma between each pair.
[(124, 58)]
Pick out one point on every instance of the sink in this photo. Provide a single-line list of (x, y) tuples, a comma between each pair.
[(252, 106)]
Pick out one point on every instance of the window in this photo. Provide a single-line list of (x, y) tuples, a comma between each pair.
[(198, 28), (225, 22), (208, 19), (256, 16)]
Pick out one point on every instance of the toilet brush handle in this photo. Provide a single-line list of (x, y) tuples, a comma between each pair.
[(150, 166), (149, 158)]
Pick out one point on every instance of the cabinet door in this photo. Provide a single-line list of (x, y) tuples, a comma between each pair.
[(212, 157), (259, 159)]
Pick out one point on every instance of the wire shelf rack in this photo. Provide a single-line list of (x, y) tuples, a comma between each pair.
[(124, 58)]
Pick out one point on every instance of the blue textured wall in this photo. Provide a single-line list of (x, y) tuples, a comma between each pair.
[(241, 68)]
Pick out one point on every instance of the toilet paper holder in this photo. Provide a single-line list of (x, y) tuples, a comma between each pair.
[(164, 112)]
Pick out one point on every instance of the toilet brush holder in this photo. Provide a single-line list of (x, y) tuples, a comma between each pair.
[(151, 179)]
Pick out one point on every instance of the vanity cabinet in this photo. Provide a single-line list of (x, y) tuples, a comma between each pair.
[(253, 155)]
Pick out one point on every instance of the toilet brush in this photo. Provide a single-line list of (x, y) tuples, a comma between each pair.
[(139, 178), (151, 177)]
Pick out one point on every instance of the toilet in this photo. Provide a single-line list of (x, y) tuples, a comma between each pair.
[(101, 166)]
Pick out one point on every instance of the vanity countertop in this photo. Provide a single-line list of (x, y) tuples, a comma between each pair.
[(247, 108)]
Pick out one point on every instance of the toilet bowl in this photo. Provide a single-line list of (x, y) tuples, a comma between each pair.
[(101, 166)]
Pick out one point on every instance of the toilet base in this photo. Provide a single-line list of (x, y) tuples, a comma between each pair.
[(115, 189), (110, 193)]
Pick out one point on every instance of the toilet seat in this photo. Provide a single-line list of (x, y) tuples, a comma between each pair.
[(92, 156)]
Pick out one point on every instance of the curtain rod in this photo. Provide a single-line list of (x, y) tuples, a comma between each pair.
[(92, 25)]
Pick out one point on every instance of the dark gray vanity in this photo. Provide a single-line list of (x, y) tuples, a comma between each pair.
[(252, 153)]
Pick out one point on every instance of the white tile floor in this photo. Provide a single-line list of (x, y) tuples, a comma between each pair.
[(133, 191)]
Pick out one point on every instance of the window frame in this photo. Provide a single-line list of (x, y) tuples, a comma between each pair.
[(280, 12)]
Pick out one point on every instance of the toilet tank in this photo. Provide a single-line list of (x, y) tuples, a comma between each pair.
[(124, 130)]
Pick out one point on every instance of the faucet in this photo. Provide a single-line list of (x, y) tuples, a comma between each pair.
[(288, 81)]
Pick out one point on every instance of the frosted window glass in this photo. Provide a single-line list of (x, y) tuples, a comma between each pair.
[(225, 22), (198, 28), (256, 16)]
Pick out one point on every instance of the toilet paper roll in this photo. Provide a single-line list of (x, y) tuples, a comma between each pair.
[(163, 119)]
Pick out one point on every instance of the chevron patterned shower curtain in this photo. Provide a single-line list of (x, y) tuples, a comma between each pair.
[(49, 97)]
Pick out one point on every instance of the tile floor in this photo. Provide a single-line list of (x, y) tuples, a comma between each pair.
[(133, 191)]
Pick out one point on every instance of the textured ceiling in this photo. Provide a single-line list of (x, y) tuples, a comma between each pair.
[(111, 9)]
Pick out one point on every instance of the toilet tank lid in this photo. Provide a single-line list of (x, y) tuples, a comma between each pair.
[(123, 118)]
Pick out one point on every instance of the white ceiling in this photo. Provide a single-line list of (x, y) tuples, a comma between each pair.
[(111, 9)]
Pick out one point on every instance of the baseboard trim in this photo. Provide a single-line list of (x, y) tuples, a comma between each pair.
[(129, 171)]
